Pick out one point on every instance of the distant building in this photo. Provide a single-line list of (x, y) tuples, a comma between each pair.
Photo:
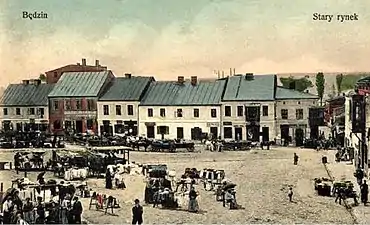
[(181, 109), (24, 107), (54, 75), (118, 107), (73, 101)]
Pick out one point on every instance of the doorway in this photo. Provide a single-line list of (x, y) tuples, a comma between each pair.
[(196, 133), (79, 126), (214, 132), (180, 133), (299, 137), (238, 133), (284, 132), (265, 134), (314, 132), (150, 132)]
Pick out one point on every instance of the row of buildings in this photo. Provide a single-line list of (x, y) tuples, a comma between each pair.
[(85, 98)]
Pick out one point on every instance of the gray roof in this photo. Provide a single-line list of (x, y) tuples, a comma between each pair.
[(170, 93), (126, 89), (261, 87), (26, 95), (285, 93), (80, 84)]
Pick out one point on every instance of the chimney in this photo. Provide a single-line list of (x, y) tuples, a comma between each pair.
[(223, 75), (180, 79), (97, 63), (231, 72), (128, 75), (37, 82), (84, 62), (194, 80), (25, 82), (234, 71), (249, 76), (78, 64)]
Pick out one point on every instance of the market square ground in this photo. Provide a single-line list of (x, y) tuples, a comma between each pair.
[(262, 178)]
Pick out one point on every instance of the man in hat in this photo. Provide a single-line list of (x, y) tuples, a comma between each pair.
[(77, 210), (137, 213), (28, 211), (193, 203)]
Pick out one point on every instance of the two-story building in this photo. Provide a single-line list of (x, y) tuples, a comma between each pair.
[(181, 109), (118, 107), (248, 107), (24, 107), (73, 101), (292, 114), (54, 75)]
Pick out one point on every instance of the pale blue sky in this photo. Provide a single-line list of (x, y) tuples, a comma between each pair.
[(168, 38)]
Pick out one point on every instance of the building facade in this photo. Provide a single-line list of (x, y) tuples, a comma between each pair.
[(24, 107), (292, 114), (182, 109), (248, 108), (54, 75), (73, 101), (118, 107)]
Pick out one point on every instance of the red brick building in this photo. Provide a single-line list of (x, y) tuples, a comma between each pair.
[(53, 76), (73, 101)]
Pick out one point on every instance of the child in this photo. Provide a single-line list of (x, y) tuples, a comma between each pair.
[(290, 194)]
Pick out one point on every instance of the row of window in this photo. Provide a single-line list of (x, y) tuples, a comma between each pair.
[(298, 114), (30, 111), (74, 104), (130, 110), (240, 110), (180, 113)]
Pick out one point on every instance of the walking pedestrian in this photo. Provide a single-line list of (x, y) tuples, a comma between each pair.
[(77, 210), (137, 213), (340, 194), (364, 192), (290, 194), (295, 158)]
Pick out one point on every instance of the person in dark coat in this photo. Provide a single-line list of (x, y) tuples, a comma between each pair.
[(364, 192), (296, 157), (77, 210), (108, 180), (137, 213)]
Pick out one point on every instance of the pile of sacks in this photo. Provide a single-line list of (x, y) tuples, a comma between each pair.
[(74, 174)]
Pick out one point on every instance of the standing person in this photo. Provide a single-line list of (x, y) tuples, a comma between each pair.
[(66, 208), (193, 203), (296, 157), (359, 174), (77, 210), (364, 192), (108, 179), (290, 194), (7, 210), (137, 213), (28, 211)]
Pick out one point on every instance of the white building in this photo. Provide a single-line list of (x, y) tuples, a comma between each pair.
[(25, 106), (181, 109), (118, 107), (255, 108)]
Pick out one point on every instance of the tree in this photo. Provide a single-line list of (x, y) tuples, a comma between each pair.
[(42, 77), (301, 84), (320, 85), (339, 79)]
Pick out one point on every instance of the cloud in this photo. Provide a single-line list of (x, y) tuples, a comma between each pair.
[(253, 36)]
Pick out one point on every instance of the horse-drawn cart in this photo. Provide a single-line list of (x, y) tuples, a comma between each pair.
[(171, 146)]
